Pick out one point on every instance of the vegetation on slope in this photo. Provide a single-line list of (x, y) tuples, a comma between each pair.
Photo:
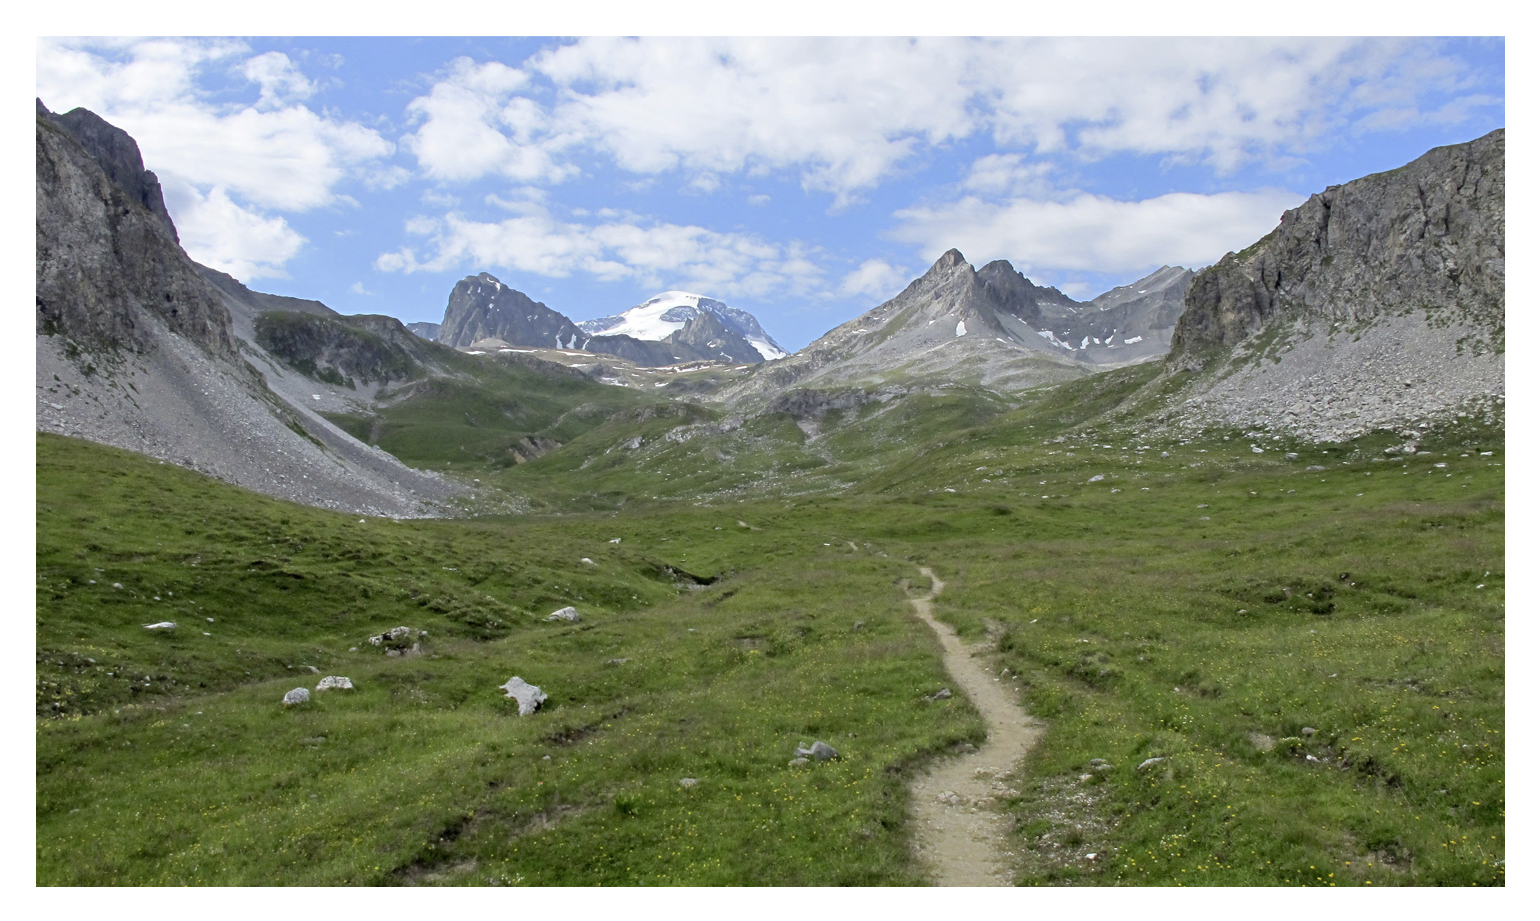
[(1196, 597)]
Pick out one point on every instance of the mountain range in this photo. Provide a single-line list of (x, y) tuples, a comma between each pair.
[(1378, 304)]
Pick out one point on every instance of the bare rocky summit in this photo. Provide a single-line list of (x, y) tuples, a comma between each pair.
[(1378, 303), (991, 328)]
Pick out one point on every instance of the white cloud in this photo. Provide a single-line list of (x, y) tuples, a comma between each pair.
[(223, 235), (623, 246), (281, 81), (848, 114), (874, 278), (1006, 174), (232, 162), (1094, 233), (472, 125), (358, 288)]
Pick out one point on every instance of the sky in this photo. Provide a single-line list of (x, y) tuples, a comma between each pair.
[(803, 180)]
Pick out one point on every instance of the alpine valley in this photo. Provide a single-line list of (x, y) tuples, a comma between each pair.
[(1221, 551)]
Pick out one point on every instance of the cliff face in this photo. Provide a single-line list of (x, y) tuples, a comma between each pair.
[(481, 307), (1428, 235), (103, 257), (1377, 304), (118, 155)]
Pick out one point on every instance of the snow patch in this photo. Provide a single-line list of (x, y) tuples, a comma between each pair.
[(962, 327), (1133, 340)]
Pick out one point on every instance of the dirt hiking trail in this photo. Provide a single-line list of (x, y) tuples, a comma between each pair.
[(959, 835)]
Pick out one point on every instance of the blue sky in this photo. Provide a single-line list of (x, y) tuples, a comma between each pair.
[(805, 180)]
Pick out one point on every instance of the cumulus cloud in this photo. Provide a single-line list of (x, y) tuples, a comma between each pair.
[(847, 114), (1095, 233), (620, 246), (221, 234), (236, 162), (874, 278)]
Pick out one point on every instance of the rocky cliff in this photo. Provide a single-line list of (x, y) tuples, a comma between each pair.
[(1379, 303), (105, 259), (141, 348), (481, 307), (1427, 236)]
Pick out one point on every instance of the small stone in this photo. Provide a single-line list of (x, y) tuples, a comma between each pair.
[(823, 751), (1149, 762), (796, 762), (297, 696), (1315, 467), (688, 782), (1085, 777), (588, 561), (529, 697), (568, 614), (860, 625), (1307, 732), (163, 625), (617, 661), (942, 694), (1098, 762), (334, 682)]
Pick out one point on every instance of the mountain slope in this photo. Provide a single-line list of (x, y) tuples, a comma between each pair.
[(991, 328), (1377, 303), (136, 347)]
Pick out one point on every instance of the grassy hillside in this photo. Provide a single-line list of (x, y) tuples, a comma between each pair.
[(1200, 598)]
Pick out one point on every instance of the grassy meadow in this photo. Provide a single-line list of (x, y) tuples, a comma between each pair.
[(1182, 608)]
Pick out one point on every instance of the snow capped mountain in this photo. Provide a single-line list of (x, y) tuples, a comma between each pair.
[(667, 313)]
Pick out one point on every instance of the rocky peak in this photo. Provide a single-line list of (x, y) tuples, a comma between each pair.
[(118, 155)]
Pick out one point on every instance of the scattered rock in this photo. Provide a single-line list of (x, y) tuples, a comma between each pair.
[(297, 696), (942, 694), (617, 661), (588, 561), (331, 682), (1261, 741), (820, 751), (1096, 479), (568, 614), (796, 762), (1149, 762), (163, 625), (860, 625), (1315, 467), (1307, 732), (529, 697), (688, 782), (313, 669)]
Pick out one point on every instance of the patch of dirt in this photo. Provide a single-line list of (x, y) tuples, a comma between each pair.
[(960, 834)]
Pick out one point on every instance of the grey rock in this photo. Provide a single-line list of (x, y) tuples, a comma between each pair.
[(942, 694), (1315, 467), (568, 614), (688, 782), (296, 696), (529, 697), (823, 751), (163, 625), (334, 682), (859, 625), (797, 761), (1307, 732), (1369, 287), (617, 661), (1149, 762)]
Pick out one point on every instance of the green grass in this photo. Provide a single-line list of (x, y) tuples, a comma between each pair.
[(1204, 607)]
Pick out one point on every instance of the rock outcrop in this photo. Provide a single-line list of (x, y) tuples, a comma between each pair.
[(1377, 303), (481, 307)]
